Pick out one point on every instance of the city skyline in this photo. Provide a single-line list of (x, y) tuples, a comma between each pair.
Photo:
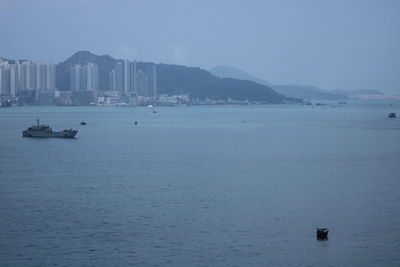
[(25, 82), (125, 80), (19, 75)]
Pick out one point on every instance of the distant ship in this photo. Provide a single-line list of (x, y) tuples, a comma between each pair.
[(45, 131)]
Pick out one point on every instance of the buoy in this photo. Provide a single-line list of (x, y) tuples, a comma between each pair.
[(135, 122), (83, 123), (322, 233)]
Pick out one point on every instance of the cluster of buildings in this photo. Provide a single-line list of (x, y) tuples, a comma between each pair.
[(127, 85), (84, 77), (127, 79), (25, 82), (25, 77)]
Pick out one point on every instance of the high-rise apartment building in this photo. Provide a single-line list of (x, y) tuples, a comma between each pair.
[(25, 75), (119, 77), (5, 82), (153, 81), (122, 78), (128, 79), (84, 77), (127, 76), (147, 82)]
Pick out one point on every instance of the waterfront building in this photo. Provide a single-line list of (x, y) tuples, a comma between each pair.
[(123, 78), (4, 82), (143, 84), (147, 82), (127, 79), (153, 81), (25, 75), (84, 77), (112, 81), (127, 76), (119, 77)]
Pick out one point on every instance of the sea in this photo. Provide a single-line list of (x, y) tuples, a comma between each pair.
[(202, 186)]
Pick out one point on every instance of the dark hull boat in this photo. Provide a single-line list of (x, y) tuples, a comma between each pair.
[(44, 131)]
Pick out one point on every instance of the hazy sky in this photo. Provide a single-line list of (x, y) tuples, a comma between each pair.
[(332, 44)]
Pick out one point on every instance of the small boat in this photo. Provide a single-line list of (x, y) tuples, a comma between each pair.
[(155, 111), (392, 115), (83, 123), (135, 122)]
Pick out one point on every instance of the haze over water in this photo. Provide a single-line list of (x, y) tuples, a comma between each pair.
[(201, 186)]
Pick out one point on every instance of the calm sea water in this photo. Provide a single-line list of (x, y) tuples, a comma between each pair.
[(201, 186)]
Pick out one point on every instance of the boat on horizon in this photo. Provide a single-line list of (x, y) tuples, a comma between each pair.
[(44, 131)]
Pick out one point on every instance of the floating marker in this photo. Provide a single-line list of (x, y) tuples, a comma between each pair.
[(322, 233)]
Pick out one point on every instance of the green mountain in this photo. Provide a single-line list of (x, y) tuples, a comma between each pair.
[(176, 79), (199, 83)]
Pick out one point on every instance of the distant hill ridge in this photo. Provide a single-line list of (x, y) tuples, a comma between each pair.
[(360, 92), (308, 92), (177, 79), (231, 72)]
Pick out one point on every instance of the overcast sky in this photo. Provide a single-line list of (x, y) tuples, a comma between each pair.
[(332, 44)]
